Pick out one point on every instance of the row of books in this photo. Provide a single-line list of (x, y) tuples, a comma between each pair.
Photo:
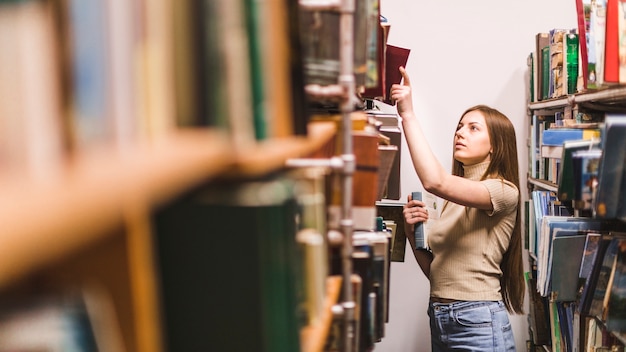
[(583, 163), (60, 320), (572, 60), (253, 257), (554, 64), (580, 272), (600, 26)]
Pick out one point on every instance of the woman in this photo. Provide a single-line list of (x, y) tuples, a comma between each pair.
[(475, 260)]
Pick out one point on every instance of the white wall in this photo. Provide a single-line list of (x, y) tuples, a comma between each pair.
[(462, 53)]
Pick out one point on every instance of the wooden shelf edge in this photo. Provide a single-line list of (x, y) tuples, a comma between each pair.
[(314, 337), (268, 156), (45, 221)]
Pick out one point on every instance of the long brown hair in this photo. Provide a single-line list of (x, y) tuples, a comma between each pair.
[(504, 165)]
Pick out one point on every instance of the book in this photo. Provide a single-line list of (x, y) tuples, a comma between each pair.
[(545, 73), (597, 306), (194, 239), (566, 175), (567, 253), (363, 264), (35, 134), (555, 328), (616, 309), (392, 212), (558, 136), (587, 286), (585, 164), (77, 318), (609, 201), (611, 43), (588, 260), (542, 41), (538, 314), (549, 224), (418, 231), (596, 43), (583, 16), (570, 62), (395, 58), (621, 34)]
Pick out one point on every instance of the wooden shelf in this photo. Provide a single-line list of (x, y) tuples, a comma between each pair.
[(265, 157), (546, 185), (614, 95), (46, 220)]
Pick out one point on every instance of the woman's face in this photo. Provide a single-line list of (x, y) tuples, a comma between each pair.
[(471, 140)]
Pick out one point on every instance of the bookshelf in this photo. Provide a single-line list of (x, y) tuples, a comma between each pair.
[(585, 109), (102, 206), (162, 133)]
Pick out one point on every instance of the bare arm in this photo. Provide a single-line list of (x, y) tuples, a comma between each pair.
[(431, 173)]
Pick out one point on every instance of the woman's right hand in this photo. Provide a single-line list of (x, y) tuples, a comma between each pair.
[(401, 95)]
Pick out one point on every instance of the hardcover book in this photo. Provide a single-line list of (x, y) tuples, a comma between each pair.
[(567, 254), (603, 280), (611, 43), (611, 192), (566, 176), (616, 315)]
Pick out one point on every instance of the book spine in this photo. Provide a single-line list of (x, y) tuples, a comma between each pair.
[(420, 240)]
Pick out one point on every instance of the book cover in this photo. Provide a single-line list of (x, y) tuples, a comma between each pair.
[(621, 26), (566, 176), (363, 264), (547, 231), (392, 211), (545, 73), (35, 134), (609, 199), (585, 164), (596, 308), (538, 314), (611, 43), (395, 57), (555, 327), (597, 29), (558, 136), (418, 231), (583, 16), (590, 251), (542, 41), (616, 309), (194, 240), (567, 254), (570, 62)]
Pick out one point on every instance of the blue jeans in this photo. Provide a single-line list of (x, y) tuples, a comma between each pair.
[(470, 326)]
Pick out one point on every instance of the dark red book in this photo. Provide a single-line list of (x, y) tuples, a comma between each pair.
[(395, 58)]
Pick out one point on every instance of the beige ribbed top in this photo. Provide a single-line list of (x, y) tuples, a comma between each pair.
[(468, 243)]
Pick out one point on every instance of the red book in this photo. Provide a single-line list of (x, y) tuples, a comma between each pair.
[(611, 46), (395, 57), (583, 31)]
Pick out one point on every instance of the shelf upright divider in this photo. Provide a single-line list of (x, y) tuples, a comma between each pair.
[(347, 82)]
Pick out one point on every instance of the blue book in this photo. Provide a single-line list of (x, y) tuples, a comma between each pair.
[(558, 136)]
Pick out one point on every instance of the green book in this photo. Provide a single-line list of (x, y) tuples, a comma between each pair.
[(571, 61), (227, 261), (545, 72)]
